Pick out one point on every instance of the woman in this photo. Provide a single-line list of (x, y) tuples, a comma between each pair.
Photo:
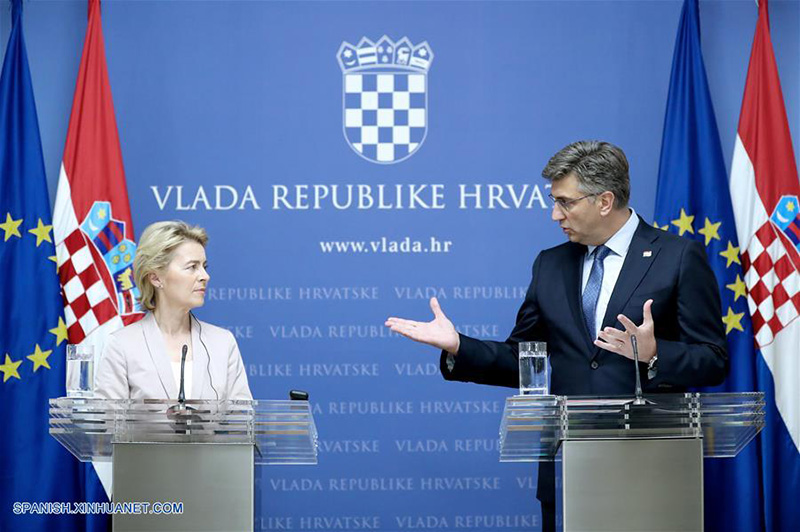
[(143, 360)]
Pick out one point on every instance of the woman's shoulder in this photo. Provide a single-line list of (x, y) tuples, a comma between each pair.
[(133, 332), (209, 330)]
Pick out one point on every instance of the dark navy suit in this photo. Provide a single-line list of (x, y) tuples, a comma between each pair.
[(670, 270)]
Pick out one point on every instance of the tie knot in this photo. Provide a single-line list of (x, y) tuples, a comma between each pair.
[(601, 252)]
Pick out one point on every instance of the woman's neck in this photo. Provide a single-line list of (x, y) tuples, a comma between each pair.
[(172, 322)]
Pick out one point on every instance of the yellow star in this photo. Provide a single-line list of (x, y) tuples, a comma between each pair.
[(790, 206), (710, 230), (60, 331), (101, 213), (684, 223), (662, 227), (738, 287), (11, 227), (42, 232), (733, 321), (39, 358), (732, 254), (9, 369), (54, 259)]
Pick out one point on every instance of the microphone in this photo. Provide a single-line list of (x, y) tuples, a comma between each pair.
[(638, 400), (181, 393)]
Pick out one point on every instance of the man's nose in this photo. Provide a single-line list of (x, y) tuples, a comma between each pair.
[(557, 214)]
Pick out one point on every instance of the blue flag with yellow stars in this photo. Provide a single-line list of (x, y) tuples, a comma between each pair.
[(33, 336), (693, 200)]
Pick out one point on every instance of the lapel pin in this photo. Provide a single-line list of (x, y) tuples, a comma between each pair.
[(647, 253)]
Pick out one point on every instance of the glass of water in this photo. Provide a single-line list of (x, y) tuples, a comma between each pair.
[(533, 369), (80, 370)]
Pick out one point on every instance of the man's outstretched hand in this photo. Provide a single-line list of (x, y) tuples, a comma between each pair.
[(439, 332)]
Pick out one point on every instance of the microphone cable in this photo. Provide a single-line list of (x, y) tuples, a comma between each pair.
[(208, 355)]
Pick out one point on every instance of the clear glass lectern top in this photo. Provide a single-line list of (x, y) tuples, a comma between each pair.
[(533, 427), (283, 432)]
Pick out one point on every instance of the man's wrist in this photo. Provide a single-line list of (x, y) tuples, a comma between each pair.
[(453, 350)]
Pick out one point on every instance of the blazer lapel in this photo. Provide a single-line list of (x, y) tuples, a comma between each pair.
[(641, 255), (573, 271), (158, 354), (201, 361)]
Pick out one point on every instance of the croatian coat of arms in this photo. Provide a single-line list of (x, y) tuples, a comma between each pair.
[(385, 97)]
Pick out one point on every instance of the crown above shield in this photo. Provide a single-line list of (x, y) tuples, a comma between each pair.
[(385, 97), (385, 54)]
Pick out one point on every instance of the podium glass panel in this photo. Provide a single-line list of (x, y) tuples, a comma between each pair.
[(533, 427), (283, 432)]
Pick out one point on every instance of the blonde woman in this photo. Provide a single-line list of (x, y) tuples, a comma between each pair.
[(143, 360)]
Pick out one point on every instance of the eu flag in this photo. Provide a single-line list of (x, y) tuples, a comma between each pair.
[(693, 200), (33, 466)]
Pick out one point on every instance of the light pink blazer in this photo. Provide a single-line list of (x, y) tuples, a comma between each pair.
[(135, 364)]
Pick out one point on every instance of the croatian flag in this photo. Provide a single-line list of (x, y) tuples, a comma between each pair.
[(92, 219), (766, 195)]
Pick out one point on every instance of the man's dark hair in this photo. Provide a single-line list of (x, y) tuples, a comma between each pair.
[(599, 166)]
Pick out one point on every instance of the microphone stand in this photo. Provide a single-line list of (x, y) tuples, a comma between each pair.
[(181, 393), (638, 400)]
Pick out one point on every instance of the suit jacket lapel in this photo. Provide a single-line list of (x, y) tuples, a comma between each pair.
[(200, 365), (158, 354), (637, 264), (573, 270)]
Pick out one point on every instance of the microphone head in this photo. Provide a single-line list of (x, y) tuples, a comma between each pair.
[(184, 350)]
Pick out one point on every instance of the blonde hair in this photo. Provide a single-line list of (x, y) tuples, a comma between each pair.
[(155, 250)]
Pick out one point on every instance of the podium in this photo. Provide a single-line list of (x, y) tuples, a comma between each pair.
[(188, 467), (626, 466)]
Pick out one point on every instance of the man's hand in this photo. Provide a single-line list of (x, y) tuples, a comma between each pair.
[(619, 342), (439, 333)]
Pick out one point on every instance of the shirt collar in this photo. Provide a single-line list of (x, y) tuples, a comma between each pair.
[(621, 240)]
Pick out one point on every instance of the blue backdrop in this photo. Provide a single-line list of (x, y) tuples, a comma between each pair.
[(230, 116)]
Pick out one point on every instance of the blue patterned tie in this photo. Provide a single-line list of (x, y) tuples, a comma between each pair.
[(592, 291)]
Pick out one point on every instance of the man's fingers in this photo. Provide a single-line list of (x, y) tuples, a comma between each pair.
[(612, 334), (437, 310), (400, 321), (646, 312), (630, 327), (613, 347)]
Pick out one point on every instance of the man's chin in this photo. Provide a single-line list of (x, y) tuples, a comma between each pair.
[(574, 237)]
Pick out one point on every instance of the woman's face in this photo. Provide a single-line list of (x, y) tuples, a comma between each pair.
[(183, 282)]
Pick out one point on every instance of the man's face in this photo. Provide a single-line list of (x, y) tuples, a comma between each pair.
[(580, 220)]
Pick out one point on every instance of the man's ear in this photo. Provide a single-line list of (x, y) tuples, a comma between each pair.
[(606, 199)]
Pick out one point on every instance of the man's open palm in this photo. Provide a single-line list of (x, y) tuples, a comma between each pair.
[(438, 332)]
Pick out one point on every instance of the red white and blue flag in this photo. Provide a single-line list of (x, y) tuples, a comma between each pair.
[(766, 194), (93, 230)]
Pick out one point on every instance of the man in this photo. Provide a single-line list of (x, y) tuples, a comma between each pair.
[(586, 297)]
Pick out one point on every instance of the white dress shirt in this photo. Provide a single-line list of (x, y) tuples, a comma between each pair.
[(612, 265), (187, 376)]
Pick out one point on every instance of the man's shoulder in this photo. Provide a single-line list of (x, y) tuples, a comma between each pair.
[(567, 249), (664, 238)]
